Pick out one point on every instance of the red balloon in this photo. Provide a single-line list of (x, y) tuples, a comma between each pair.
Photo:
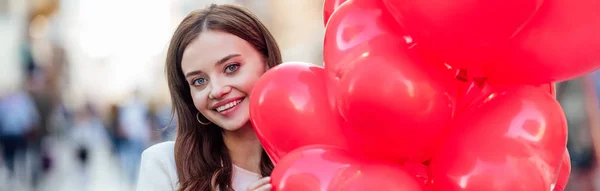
[(352, 28), (326, 168), (329, 6), (560, 43), (419, 170), (514, 140), (460, 29), (394, 104), (289, 109), (564, 173), (393, 111)]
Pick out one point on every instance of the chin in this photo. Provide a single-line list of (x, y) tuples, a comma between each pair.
[(234, 126)]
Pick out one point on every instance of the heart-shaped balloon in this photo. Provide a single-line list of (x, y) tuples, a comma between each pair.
[(289, 109), (394, 102), (326, 168), (350, 30), (329, 6), (393, 107), (461, 29), (564, 173), (514, 140), (560, 43)]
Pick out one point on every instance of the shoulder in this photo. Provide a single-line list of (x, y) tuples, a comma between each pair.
[(157, 168), (162, 150), (161, 154)]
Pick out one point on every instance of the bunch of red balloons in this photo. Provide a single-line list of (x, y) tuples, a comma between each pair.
[(429, 95)]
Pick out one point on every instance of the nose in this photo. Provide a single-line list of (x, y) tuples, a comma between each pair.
[(218, 90)]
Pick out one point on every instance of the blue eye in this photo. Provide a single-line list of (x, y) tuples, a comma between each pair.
[(232, 68), (198, 81)]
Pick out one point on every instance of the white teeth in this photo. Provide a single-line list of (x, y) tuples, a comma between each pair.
[(228, 106)]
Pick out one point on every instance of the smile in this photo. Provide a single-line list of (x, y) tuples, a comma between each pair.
[(228, 105)]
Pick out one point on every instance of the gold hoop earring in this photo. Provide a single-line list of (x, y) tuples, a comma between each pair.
[(200, 121)]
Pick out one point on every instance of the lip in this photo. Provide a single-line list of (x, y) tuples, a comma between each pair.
[(231, 111), (225, 101)]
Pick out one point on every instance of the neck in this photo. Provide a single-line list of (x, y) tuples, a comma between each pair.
[(244, 148)]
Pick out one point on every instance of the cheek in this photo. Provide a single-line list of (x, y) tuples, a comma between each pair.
[(250, 81), (200, 99)]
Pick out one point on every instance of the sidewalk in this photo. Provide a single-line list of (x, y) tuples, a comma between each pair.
[(66, 173)]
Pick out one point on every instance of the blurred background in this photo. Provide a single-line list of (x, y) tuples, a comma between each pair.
[(83, 92)]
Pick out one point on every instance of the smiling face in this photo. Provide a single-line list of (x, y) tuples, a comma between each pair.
[(221, 70)]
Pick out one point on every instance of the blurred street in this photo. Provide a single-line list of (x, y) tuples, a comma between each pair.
[(102, 173)]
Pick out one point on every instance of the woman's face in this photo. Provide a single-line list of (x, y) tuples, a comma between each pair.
[(221, 70)]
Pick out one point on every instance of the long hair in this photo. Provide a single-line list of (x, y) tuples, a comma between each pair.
[(201, 157)]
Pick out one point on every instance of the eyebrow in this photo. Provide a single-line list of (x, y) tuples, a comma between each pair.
[(221, 61)]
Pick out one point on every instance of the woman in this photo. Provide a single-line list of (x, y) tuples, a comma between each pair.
[(214, 59)]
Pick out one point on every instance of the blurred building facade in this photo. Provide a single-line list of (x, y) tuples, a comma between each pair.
[(113, 47)]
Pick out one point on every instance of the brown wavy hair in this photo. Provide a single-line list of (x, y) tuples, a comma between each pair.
[(201, 157)]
